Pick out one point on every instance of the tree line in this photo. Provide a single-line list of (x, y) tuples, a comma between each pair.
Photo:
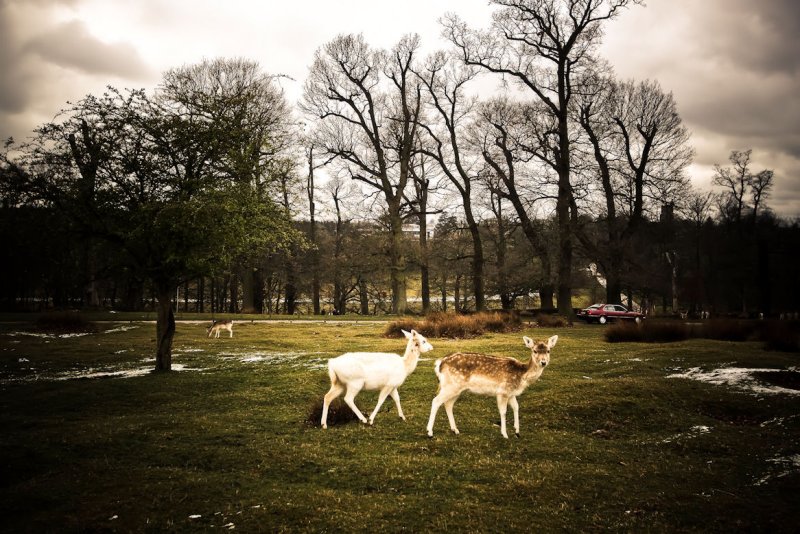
[(567, 183)]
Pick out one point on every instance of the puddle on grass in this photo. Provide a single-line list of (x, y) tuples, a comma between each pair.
[(120, 329), (695, 431), (205, 362), (753, 381), (46, 335), (294, 359), (90, 373), (195, 359), (778, 421), (780, 467)]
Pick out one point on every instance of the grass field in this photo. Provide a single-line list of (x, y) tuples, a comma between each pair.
[(613, 437)]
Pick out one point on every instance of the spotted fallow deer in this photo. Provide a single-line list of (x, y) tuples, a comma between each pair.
[(501, 377), (218, 326)]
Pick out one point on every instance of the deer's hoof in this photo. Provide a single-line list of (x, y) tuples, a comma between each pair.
[(516, 434)]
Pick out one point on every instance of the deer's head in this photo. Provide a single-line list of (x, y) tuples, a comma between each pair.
[(418, 340), (540, 350)]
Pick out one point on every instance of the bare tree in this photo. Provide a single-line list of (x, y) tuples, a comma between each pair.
[(497, 137), (425, 181), (368, 103), (640, 149), (735, 181), (760, 184), (542, 45), (288, 184), (655, 146), (445, 83), (313, 165)]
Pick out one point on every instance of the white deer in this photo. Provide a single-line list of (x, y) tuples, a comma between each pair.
[(504, 378), (354, 371), (219, 326)]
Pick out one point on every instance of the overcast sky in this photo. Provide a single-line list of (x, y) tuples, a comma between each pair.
[(733, 65)]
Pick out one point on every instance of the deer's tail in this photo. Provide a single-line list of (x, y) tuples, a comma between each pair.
[(332, 374)]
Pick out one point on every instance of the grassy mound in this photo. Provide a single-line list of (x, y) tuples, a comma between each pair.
[(339, 413)]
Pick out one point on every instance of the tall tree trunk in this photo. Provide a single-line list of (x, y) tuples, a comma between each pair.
[(546, 294), (165, 327), (258, 290), (234, 286), (424, 258), (201, 294), (564, 222), (290, 288), (763, 279), (214, 304), (315, 283), (501, 247), (247, 276), (444, 292), (457, 294), (363, 296), (477, 263), (92, 299), (314, 253), (397, 261), (614, 279)]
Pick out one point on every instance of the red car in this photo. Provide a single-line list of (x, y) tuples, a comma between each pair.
[(602, 313)]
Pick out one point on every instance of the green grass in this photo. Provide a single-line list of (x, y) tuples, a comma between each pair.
[(608, 442)]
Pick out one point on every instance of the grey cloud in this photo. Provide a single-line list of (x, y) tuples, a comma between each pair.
[(762, 36), (12, 93), (71, 45), (735, 72)]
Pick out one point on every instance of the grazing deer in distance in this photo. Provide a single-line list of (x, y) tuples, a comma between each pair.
[(354, 371), (218, 326), (504, 378)]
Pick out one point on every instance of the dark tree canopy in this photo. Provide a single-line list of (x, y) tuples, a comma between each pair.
[(173, 181)]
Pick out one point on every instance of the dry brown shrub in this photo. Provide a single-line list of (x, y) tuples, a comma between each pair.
[(547, 320), (647, 332), (455, 326)]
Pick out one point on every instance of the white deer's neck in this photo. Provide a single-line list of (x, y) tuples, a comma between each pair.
[(411, 357)]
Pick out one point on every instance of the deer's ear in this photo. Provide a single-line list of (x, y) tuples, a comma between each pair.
[(528, 342), (407, 334), (552, 342)]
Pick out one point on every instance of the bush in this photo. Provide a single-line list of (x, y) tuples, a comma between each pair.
[(647, 332), (781, 336), (546, 320), (729, 330), (394, 329), (776, 335), (453, 326), (64, 322)]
